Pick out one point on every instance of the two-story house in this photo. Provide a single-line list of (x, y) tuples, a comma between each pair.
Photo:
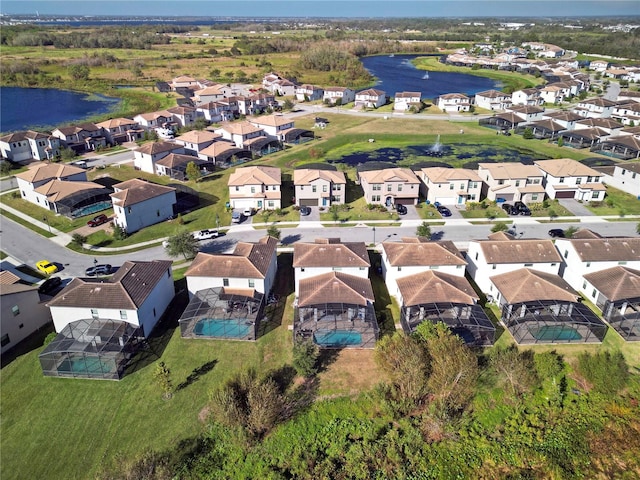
[(528, 113), (627, 112), (39, 175), (29, 145), (623, 176), (319, 188), (334, 296), (512, 181), (120, 130), (184, 116), (338, 95), (152, 120), (274, 126), (567, 178), (403, 101), (240, 132), (453, 102), (450, 186), (196, 140), (210, 94), (391, 186), (595, 108), (309, 93), (493, 100), (257, 187), (215, 112), (222, 153), (146, 156), (84, 137), (370, 98), (138, 204), (527, 96)]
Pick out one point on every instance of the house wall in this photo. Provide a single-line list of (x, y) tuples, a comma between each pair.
[(454, 104), (480, 271), (323, 192), (147, 163), (624, 180), (31, 316), (195, 284), (393, 190), (247, 194), (308, 272), (155, 210), (62, 316), (446, 195), (156, 303), (574, 182), (27, 189)]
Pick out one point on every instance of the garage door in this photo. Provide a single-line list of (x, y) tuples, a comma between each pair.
[(308, 202), (445, 200), (242, 203), (405, 201), (566, 194)]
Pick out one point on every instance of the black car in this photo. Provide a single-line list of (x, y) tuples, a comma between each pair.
[(556, 233), (98, 270), (444, 211), (510, 209), (522, 208), (304, 211), (401, 209), (50, 285)]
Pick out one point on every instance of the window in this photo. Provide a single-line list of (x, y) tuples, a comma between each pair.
[(462, 186), (434, 267), (154, 312), (553, 264), (237, 188), (566, 253), (225, 282), (593, 294), (302, 269), (476, 255), (399, 187), (324, 188), (584, 284), (15, 310), (338, 187), (314, 188), (578, 181), (528, 264), (252, 283), (335, 198), (588, 264), (123, 314), (377, 186), (157, 213), (129, 210), (94, 313), (500, 182), (493, 267), (534, 197), (622, 262), (337, 269), (595, 194), (561, 180), (361, 268), (253, 189), (271, 204), (458, 267), (5, 340), (389, 188), (517, 183), (399, 269)]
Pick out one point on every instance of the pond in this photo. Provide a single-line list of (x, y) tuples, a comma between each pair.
[(397, 74), (46, 108)]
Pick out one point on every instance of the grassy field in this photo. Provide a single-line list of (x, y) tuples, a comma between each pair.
[(616, 202)]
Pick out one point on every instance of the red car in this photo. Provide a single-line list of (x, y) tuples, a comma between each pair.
[(99, 220)]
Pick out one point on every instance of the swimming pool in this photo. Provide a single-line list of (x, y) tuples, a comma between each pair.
[(222, 328), (555, 333), (337, 338), (89, 209), (87, 366)]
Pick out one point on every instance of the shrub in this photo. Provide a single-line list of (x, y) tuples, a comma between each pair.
[(499, 227), (607, 372), (78, 239), (305, 356)]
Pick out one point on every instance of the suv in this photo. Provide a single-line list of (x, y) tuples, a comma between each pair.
[(206, 234), (401, 209), (556, 233), (99, 220), (522, 208), (247, 212), (50, 285), (98, 270), (304, 211), (444, 211), (510, 209)]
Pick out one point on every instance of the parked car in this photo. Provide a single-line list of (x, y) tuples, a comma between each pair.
[(247, 212), (444, 211), (401, 209), (104, 269), (51, 284), (510, 209), (522, 208), (556, 233), (236, 217), (304, 211), (46, 267), (206, 234), (99, 220), (80, 164)]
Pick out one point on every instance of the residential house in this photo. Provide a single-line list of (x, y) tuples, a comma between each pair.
[(138, 204), (390, 187), (175, 165), (511, 181), (587, 255), (338, 95), (251, 266), (493, 100), (502, 254), (283, 87), (567, 178), (319, 188), (183, 81), (623, 176), (29, 145), (541, 307), (209, 94), (625, 146), (555, 93), (21, 310), (566, 119), (528, 113), (223, 153), (545, 129), (146, 156), (595, 108), (627, 112), (598, 65), (215, 112), (81, 138), (257, 187), (334, 297), (121, 130), (309, 93), (403, 101), (161, 119), (370, 98), (184, 116), (453, 102), (240, 132), (274, 126), (450, 186), (616, 292), (527, 96), (195, 140)]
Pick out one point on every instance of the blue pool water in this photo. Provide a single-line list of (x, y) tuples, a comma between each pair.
[(337, 338), (96, 207), (222, 328), (555, 333), (87, 366)]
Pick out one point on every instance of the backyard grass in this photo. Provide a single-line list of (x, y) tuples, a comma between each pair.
[(616, 202)]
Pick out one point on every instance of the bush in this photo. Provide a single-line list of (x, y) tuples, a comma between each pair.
[(607, 372), (499, 227), (305, 356), (78, 239)]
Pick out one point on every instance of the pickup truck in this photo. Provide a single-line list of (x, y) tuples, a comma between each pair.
[(206, 234)]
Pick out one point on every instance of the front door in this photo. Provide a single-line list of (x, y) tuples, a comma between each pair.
[(259, 204), (324, 202), (460, 200)]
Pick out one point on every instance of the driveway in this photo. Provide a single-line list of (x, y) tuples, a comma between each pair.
[(314, 216), (412, 213), (575, 207)]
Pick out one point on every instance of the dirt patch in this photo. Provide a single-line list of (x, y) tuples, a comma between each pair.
[(204, 414)]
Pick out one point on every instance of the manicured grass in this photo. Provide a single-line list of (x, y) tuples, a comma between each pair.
[(476, 211), (26, 224), (3, 255), (616, 202)]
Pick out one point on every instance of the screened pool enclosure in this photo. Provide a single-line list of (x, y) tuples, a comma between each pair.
[(93, 348)]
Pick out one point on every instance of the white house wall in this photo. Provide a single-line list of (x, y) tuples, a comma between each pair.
[(155, 210), (62, 316), (156, 303), (31, 316), (195, 284)]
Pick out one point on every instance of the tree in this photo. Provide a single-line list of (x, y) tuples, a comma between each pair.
[(515, 368), (527, 134), (569, 231), (499, 227), (119, 233), (78, 239), (182, 244), (67, 153), (79, 72), (162, 376), (423, 230), (335, 212), (274, 231), (552, 213), (193, 172), (305, 356), (287, 104), (560, 141)]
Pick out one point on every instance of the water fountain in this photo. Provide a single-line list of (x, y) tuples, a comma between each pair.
[(436, 149)]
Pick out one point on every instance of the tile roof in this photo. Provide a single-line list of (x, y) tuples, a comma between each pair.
[(257, 175), (566, 167), (57, 190), (600, 122), (405, 254), (136, 190), (335, 287), (435, 287), (127, 289), (372, 92), (492, 94), (248, 260), (407, 94), (586, 233), (198, 136), (305, 176), (218, 148), (174, 160), (564, 116), (444, 174), (451, 96), (82, 127), (519, 251), (157, 147), (330, 253), (606, 249), (526, 285), (509, 170), (271, 120), (116, 122), (240, 128), (49, 171), (404, 175), (8, 278), (616, 283), (19, 136)]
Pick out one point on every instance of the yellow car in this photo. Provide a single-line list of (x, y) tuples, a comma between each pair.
[(46, 267)]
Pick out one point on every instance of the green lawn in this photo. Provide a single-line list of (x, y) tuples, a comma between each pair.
[(24, 223), (616, 202)]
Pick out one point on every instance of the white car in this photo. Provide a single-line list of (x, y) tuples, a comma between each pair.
[(247, 212), (206, 234)]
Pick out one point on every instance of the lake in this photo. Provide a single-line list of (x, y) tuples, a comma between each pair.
[(47, 108), (397, 74)]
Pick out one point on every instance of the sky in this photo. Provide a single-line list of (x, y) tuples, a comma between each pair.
[(326, 8)]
